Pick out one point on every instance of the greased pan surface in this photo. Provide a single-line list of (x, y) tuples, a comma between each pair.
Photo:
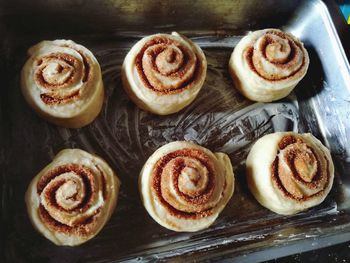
[(219, 119)]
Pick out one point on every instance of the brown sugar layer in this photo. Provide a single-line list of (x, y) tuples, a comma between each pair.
[(165, 57), (299, 171), (253, 55), (68, 215), (191, 174), (67, 70)]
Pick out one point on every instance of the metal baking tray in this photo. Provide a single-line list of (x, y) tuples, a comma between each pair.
[(219, 119)]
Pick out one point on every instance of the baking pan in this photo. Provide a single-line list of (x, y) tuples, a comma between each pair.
[(219, 119)]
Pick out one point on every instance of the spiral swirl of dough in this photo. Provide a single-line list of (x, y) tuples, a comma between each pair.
[(72, 198), (163, 73), (289, 172), (62, 81), (267, 64), (184, 186)]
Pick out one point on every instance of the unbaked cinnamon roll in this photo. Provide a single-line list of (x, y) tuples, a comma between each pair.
[(267, 64), (72, 198), (289, 172), (184, 186), (62, 82), (163, 73)]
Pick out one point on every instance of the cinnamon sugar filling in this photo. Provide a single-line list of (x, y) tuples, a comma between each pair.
[(160, 51), (305, 167), (65, 62), (84, 225), (284, 63), (197, 199)]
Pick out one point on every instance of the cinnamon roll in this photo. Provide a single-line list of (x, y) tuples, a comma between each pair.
[(289, 172), (163, 73), (184, 186), (72, 198), (62, 82), (267, 64)]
